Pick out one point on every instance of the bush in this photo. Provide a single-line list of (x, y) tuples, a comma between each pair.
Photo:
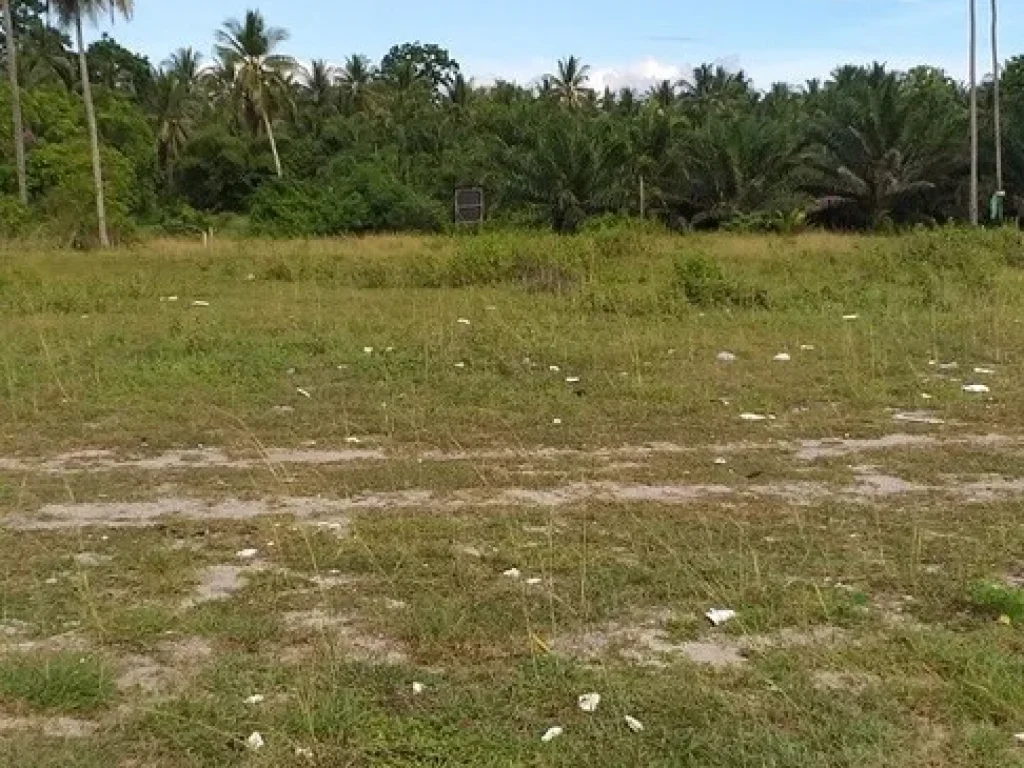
[(60, 176), (366, 201), (14, 217), (702, 283)]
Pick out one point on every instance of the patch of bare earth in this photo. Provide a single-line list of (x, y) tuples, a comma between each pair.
[(277, 458), (220, 582), (845, 682), (646, 642), (344, 635), (167, 671), (51, 727)]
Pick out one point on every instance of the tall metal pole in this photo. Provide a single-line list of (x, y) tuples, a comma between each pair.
[(974, 112), (996, 95)]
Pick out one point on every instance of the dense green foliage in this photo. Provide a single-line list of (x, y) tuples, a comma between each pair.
[(252, 135)]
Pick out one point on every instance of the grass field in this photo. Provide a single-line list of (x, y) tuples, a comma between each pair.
[(401, 501)]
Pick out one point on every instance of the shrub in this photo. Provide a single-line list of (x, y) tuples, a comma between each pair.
[(702, 283), (60, 175), (14, 217), (366, 201)]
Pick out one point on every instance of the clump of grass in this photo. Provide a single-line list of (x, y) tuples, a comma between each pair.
[(998, 600), (64, 682)]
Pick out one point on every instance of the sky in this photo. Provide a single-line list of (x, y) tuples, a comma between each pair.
[(635, 43)]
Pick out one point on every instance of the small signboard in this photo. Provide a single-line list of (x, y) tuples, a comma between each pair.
[(469, 205)]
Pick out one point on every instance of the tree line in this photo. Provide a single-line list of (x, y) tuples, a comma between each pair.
[(99, 141)]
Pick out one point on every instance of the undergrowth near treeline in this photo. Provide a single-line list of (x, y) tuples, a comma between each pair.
[(618, 270)]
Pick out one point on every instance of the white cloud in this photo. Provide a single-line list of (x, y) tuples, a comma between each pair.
[(765, 68), (640, 75)]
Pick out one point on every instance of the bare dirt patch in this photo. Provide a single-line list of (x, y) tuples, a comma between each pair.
[(619, 457), (845, 682), (646, 642), (52, 727), (345, 636), (220, 582)]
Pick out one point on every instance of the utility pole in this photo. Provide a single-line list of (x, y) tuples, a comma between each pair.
[(643, 199), (996, 96), (974, 111)]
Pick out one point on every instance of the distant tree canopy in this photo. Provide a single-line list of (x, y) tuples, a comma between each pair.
[(358, 146)]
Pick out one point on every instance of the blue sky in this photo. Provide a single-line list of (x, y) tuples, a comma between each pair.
[(626, 42)]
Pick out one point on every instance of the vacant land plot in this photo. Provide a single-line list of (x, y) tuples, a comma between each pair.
[(403, 501)]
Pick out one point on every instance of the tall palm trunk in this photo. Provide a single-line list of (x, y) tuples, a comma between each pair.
[(974, 111), (996, 96), (19, 127), (273, 144), (94, 139)]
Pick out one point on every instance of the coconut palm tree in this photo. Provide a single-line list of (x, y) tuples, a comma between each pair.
[(186, 66), (175, 105), (12, 76), (355, 80), (71, 13), (974, 110), (261, 76), (570, 83), (997, 96)]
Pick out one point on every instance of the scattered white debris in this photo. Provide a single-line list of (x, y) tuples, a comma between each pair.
[(460, 364), (304, 392), (256, 698), (554, 368), (464, 321), (353, 440), (552, 733), (533, 582), (948, 366), (250, 277), (491, 308), (572, 379), (255, 741), (782, 357), (753, 417), (726, 357), (305, 752), (246, 554), (721, 461), (807, 347), (985, 371), (418, 688), (1019, 738), (851, 317), (557, 422), (282, 409), (389, 349), (926, 396), (634, 725), (200, 303), (168, 298), (720, 616), (368, 350), (512, 573), (977, 389), (589, 702), (51, 580)]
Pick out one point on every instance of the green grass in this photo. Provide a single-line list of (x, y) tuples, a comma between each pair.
[(65, 682), (868, 629)]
